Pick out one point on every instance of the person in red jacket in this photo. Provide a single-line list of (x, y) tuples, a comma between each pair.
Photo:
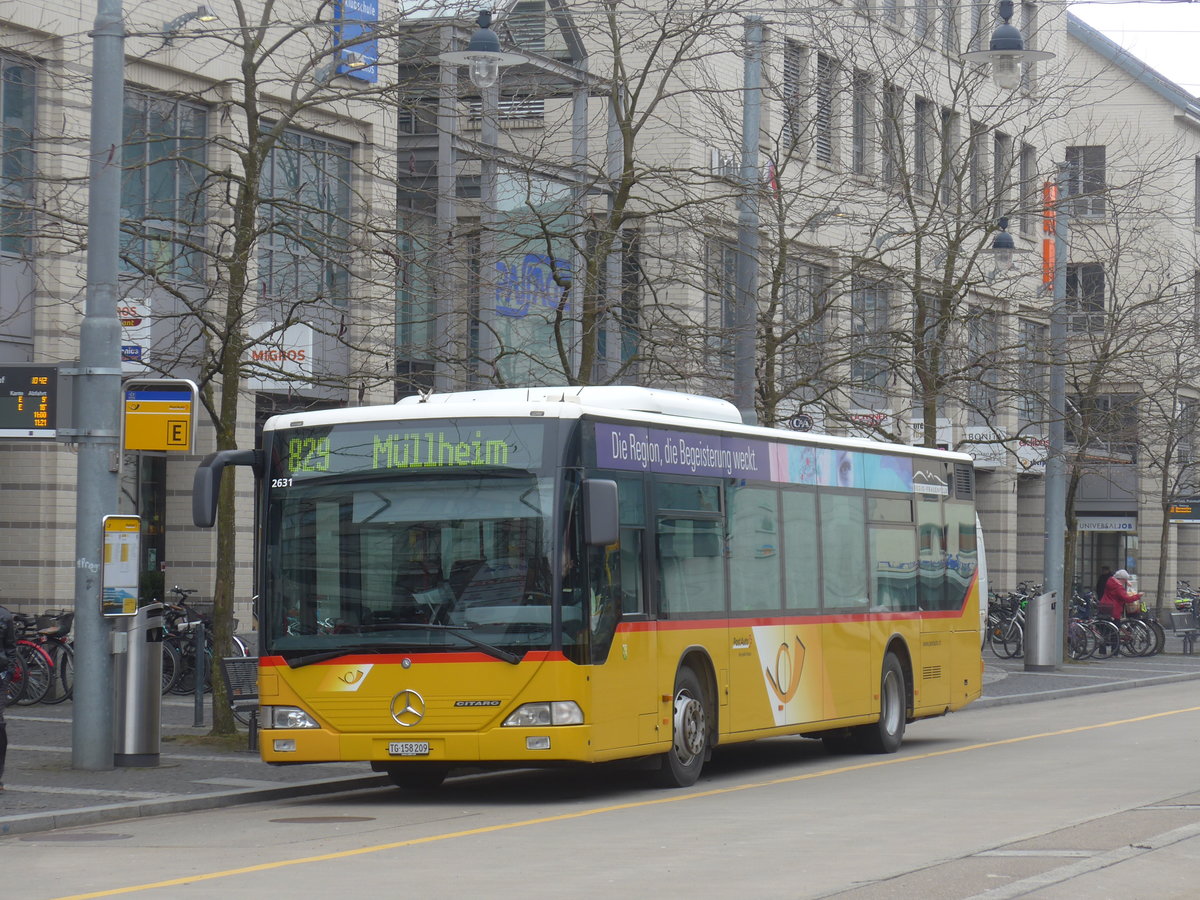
[(1116, 595)]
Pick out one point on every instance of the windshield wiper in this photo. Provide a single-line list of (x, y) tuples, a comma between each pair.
[(308, 659), (464, 633), (324, 655)]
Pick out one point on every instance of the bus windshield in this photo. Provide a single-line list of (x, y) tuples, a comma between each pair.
[(444, 562)]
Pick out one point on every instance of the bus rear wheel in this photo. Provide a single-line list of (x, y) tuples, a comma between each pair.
[(681, 764), (886, 735)]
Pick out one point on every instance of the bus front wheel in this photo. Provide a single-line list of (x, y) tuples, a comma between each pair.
[(681, 764)]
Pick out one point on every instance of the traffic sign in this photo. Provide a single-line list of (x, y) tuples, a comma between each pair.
[(159, 415), (28, 401)]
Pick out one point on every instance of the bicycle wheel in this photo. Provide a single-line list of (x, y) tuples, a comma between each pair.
[(38, 668), (1080, 641), (170, 665), (1136, 638), (1160, 636), (63, 680), (14, 683), (1107, 639), (1013, 639)]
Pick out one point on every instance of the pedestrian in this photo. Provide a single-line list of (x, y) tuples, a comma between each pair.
[(8, 656), (1116, 595)]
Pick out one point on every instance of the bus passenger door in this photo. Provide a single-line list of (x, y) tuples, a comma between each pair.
[(622, 677)]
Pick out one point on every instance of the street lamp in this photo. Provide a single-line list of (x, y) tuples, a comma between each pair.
[(1006, 51), (483, 54)]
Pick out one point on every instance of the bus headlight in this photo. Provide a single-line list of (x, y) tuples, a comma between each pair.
[(553, 712), (289, 717)]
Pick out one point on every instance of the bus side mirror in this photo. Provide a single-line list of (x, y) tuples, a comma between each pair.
[(601, 525), (206, 484)]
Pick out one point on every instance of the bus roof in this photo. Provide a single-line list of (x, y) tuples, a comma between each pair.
[(650, 406)]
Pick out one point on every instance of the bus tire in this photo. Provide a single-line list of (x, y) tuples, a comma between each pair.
[(681, 765), (886, 735), (417, 778)]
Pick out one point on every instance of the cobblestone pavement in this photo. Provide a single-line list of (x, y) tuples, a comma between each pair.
[(43, 791)]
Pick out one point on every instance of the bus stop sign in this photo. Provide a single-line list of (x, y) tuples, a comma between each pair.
[(160, 415)]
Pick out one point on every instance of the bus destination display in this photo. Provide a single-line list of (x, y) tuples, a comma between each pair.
[(397, 447), (28, 401)]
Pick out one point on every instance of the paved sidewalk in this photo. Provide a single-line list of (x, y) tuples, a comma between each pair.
[(43, 792)]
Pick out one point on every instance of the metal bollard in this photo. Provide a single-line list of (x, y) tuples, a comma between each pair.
[(1041, 633), (201, 672)]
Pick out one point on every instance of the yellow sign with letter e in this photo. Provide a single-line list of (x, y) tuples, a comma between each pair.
[(159, 416)]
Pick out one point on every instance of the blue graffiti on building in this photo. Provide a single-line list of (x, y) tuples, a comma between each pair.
[(530, 283)]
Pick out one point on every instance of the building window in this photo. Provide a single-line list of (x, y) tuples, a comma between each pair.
[(1085, 296), (305, 218), (1029, 30), (1031, 369), (630, 313), (980, 24), (793, 93), (1027, 217), (923, 19), (924, 145), (889, 11), (982, 384), (823, 119), (720, 300), (16, 156), (162, 187), (950, 28), (805, 300), (1086, 180), (860, 122), (949, 140), (1106, 426), (1196, 191), (526, 25), (869, 345), (1185, 433), (977, 196), (891, 111), (1002, 165)]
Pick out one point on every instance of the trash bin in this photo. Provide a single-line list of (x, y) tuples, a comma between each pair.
[(1041, 633), (137, 687)]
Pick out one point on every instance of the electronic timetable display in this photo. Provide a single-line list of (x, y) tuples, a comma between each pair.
[(28, 401)]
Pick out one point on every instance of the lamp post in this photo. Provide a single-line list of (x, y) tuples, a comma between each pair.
[(98, 398), (484, 59), (1053, 575)]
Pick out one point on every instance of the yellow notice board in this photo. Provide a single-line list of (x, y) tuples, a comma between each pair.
[(119, 574), (159, 415)]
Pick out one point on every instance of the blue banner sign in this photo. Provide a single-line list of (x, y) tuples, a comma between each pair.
[(354, 24)]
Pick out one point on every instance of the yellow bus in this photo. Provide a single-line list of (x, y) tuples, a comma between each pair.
[(524, 577)]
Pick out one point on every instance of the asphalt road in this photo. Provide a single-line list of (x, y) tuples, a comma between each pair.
[(1093, 795)]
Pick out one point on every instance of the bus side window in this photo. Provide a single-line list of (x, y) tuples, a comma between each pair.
[(632, 499)]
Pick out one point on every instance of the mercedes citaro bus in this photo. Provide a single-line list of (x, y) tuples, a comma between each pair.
[(553, 575)]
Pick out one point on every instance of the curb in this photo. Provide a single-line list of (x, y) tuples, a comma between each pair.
[(115, 812), (1059, 693)]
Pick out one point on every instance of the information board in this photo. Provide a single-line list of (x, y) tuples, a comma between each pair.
[(28, 401), (119, 575)]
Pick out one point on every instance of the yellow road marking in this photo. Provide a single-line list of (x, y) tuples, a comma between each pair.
[(637, 804)]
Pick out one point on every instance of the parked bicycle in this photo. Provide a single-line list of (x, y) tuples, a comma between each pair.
[(182, 621)]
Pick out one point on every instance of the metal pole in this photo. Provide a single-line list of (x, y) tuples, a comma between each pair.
[(745, 325), (1053, 578), (98, 398)]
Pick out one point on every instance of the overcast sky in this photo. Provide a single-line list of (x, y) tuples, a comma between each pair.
[(1164, 34)]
